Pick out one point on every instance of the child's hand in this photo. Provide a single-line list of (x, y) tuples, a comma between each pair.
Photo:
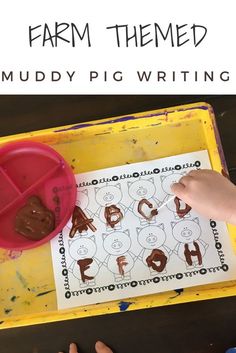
[(100, 347), (209, 193)]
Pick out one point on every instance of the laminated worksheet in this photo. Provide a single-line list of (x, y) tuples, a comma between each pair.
[(130, 236)]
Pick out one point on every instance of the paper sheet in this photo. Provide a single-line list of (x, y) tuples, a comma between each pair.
[(139, 252)]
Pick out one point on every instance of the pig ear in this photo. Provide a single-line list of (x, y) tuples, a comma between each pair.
[(127, 232), (92, 238), (104, 236), (118, 186), (85, 192), (173, 224), (162, 177), (196, 220), (129, 183), (71, 241), (151, 179), (96, 190), (138, 230), (161, 226)]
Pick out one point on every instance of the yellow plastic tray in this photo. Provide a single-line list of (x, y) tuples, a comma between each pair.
[(27, 290)]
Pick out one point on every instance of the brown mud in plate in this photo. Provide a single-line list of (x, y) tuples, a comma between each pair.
[(34, 221)]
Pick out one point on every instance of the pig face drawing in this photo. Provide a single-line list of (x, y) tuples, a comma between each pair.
[(108, 195), (119, 260), (168, 180), (117, 243), (190, 248), (82, 199), (186, 231), (142, 189), (151, 237), (84, 266), (155, 254)]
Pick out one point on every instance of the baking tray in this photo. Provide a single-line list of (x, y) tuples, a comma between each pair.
[(27, 291)]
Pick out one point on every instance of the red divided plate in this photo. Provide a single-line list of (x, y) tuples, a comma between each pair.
[(33, 169)]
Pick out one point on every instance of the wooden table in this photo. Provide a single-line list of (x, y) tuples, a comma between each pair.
[(207, 326)]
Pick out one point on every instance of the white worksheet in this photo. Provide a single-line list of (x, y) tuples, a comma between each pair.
[(130, 236)]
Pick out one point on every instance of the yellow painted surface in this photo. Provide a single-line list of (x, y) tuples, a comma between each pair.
[(27, 290)]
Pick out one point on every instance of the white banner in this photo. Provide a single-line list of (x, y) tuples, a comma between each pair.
[(107, 47)]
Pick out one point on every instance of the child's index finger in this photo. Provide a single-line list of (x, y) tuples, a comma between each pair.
[(73, 348)]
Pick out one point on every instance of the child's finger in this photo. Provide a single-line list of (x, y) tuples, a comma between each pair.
[(73, 348), (193, 173), (177, 189), (102, 348), (185, 180)]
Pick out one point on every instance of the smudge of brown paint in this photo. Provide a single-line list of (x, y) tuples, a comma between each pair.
[(121, 262), (181, 212), (150, 205), (84, 266), (157, 255), (113, 215), (189, 253), (34, 220), (80, 222)]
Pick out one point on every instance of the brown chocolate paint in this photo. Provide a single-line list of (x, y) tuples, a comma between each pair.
[(112, 212), (80, 222), (84, 266), (157, 255), (121, 263), (181, 212), (34, 220), (153, 212), (189, 253)]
